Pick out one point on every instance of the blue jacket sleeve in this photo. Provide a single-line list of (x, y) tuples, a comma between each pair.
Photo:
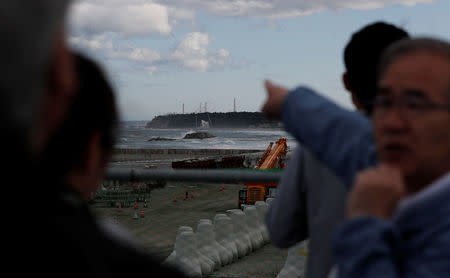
[(373, 247), (364, 247), (286, 219), (341, 139)]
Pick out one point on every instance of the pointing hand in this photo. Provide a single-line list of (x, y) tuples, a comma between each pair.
[(275, 98)]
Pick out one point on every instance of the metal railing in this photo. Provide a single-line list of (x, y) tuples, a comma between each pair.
[(227, 176)]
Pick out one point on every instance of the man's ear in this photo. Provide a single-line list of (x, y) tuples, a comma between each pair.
[(346, 82), (94, 155), (58, 96), (62, 79), (349, 88)]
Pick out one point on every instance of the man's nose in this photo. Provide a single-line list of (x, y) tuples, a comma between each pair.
[(395, 120)]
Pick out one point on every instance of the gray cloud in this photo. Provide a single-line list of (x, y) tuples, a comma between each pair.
[(192, 53), (99, 26), (103, 45), (147, 17), (124, 18), (273, 9)]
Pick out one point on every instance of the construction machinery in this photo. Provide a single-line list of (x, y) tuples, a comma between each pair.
[(270, 160)]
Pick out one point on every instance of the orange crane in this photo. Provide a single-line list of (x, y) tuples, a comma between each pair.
[(264, 155), (270, 159)]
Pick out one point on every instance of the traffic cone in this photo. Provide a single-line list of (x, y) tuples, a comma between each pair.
[(175, 198), (142, 213), (135, 205)]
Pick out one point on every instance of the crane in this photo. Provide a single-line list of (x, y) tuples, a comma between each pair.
[(270, 159)]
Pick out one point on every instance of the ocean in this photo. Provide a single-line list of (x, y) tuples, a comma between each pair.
[(134, 135)]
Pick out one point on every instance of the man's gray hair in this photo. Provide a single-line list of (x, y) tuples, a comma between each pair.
[(407, 46), (28, 30)]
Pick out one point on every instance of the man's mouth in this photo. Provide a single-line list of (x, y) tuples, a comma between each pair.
[(394, 151)]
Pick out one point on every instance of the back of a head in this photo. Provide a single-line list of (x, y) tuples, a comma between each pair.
[(362, 55), (93, 110)]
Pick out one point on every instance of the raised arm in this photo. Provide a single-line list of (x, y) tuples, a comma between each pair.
[(339, 138)]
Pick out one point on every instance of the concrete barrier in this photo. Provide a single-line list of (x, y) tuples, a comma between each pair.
[(205, 238), (186, 259), (293, 267), (240, 229), (269, 200), (262, 208), (171, 258), (254, 227), (254, 241), (225, 256), (224, 234), (208, 221), (206, 265)]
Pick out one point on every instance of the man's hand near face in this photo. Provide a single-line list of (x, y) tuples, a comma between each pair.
[(376, 192), (275, 98)]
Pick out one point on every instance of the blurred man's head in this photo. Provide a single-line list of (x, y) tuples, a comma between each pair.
[(361, 58), (412, 110), (60, 88), (81, 147), (29, 30)]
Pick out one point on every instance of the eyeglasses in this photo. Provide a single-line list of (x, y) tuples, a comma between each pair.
[(410, 106)]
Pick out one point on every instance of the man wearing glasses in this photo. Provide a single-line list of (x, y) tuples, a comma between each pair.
[(393, 209), (398, 212), (310, 199)]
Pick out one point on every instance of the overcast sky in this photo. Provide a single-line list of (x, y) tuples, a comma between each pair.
[(160, 55)]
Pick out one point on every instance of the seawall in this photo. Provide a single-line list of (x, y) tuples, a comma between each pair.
[(173, 154)]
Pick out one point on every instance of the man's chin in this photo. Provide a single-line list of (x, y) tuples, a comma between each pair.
[(395, 159), (410, 177), (403, 165), (400, 165)]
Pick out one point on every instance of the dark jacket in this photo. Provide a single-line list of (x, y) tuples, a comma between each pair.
[(65, 240), (414, 243)]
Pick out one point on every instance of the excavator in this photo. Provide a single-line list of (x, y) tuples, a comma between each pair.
[(270, 159)]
